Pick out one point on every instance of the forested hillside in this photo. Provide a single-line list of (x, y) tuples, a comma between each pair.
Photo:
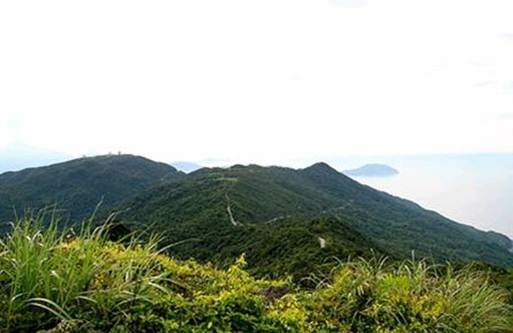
[(76, 187), (285, 221), (224, 212)]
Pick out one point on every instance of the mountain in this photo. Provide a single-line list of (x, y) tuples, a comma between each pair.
[(77, 186), (372, 170), (186, 167), (278, 216), (285, 220), (219, 214)]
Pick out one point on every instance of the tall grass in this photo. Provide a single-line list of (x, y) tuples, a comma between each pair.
[(411, 296), (52, 277), (53, 273)]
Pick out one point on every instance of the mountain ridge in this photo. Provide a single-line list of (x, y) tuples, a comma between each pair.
[(286, 220), (79, 185), (261, 194)]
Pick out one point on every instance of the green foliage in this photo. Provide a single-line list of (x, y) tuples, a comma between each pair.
[(282, 212), (53, 281), (370, 296), (78, 186)]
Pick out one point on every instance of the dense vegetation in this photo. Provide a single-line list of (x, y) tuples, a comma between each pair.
[(79, 185), (275, 211), (292, 246), (286, 221), (53, 281)]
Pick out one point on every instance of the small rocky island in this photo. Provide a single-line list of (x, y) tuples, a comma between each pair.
[(372, 170)]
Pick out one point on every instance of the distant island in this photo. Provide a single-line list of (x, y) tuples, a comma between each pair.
[(372, 170)]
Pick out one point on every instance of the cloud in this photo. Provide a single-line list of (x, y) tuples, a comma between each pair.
[(232, 94), (350, 3), (507, 35), (508, 87), (506, 116), (483, 83)]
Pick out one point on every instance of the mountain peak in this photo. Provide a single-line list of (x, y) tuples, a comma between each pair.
[(78, 185), (322, 167)]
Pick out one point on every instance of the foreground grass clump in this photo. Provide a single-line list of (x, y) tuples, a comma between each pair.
[(53, 281), (369, 296)]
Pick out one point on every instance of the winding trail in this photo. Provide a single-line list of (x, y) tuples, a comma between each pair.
[(322, 241), (276, 219), (230, 214)]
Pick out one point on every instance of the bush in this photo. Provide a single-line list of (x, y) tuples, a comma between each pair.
[(370, 296), (61, 281)]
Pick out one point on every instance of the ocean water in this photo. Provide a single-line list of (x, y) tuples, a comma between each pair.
[(470, 189)]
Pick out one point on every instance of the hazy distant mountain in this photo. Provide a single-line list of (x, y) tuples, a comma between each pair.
[(186, 166), (77, 186), (372, 170), (19, 156)]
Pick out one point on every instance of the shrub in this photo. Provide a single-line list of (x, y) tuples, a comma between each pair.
[(54, 280), (370, 296)]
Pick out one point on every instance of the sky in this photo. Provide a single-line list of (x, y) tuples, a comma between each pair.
[(264, 81)]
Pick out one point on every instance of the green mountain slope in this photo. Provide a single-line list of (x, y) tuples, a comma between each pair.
[(244, 208), (285, 220), (77, 186)]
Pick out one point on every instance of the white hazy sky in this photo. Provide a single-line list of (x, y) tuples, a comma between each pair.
[(257, 81)]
